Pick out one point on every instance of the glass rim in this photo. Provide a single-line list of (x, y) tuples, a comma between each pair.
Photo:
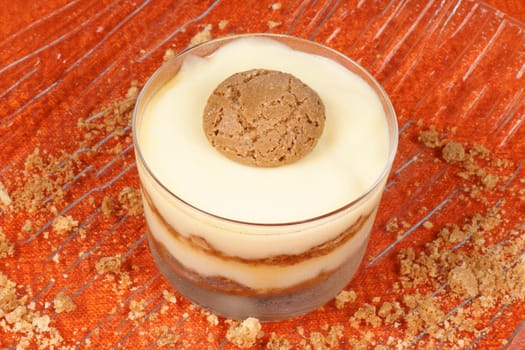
[(390, 115)]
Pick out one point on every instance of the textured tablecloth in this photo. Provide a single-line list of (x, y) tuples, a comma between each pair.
[(75, 266)]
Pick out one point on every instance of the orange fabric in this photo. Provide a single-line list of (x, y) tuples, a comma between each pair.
[(451, 64)]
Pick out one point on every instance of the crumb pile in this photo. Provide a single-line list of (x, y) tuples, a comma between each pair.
[(19, 316), (245, 334), (263, 118), (38, 192)]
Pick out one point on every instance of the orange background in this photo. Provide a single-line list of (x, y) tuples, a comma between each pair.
[(444, 63)]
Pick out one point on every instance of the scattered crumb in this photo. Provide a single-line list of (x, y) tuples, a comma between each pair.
[(130, 201), (64, 224), (169, 296), (273, 24), (462, 281), (132, 93), (300, 331), (278, 343), (109, 264), (6, 247), (202, 36), (28, 226), (63, 303), (276, 6), (428, 225), (366, 313), (245, 334), (490, 181), (327, 341), (212, 319), (5, 200), (39, 186), (124, 283), (390, 312), (168, 55), (223, 24), (19, 317), (211, 338), (38, 191), (392, 225), (136, 309), (480, 151), (430, 138), (344, 296), (453, 152), (108, 208), (167, 339)]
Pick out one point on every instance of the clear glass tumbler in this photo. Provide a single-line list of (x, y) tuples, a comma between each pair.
[(184, 239)]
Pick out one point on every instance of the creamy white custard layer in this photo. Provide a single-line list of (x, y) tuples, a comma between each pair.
[(348, 159)]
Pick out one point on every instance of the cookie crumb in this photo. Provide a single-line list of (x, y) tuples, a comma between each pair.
[(132, 93), (168, 55), (63, 224), (202, 36), (390, 312), (273, 24), (428, 225), (223, 24), (366, 313), (255, 118), (430, 138), (169, 296), (18, 317), (136, 309), (109, 264), (63, 303), (212, 319), (277, 342), (276, 6), (463, 282), (245, 334), (6, 247), (490, 181), (343, 297), (108, 207), (167, 339), (5, 199), (392, 225), (28, 226), (453, 152), (130, 201)]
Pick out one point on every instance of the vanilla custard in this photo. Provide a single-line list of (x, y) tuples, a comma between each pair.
[(345, 163)]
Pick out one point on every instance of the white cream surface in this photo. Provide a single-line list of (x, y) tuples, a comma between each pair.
[(349, 157)]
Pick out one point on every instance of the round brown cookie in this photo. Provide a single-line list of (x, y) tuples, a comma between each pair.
[(264, 118)]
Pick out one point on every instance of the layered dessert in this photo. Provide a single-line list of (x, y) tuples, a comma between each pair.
[(261, 167)]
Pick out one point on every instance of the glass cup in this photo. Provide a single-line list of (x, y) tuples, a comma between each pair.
[(284, 282)]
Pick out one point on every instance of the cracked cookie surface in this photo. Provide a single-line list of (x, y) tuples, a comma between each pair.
[(264, 118)]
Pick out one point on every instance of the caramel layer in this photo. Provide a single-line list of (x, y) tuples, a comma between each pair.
[(198, 243), (224, 285)]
